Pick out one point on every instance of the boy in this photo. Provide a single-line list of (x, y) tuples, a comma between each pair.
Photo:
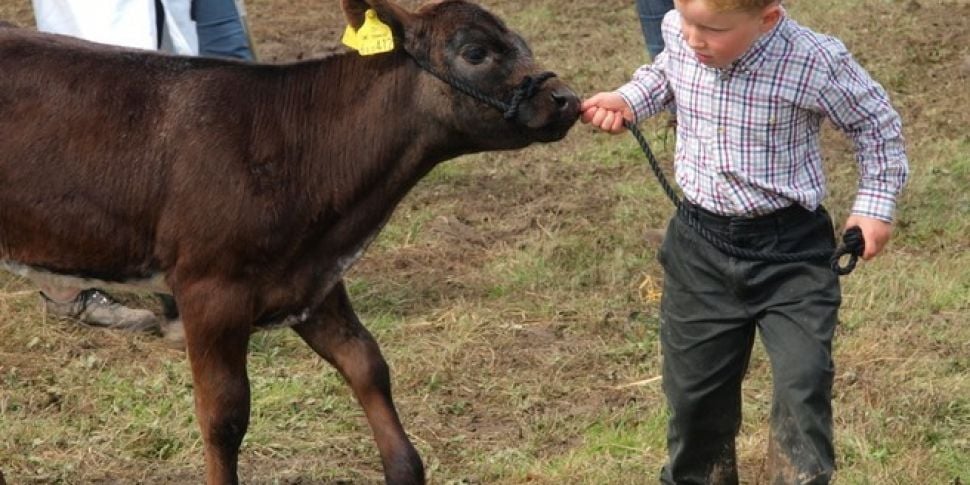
[(751, 88)]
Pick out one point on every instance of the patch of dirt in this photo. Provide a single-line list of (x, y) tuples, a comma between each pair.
[(929, 49)]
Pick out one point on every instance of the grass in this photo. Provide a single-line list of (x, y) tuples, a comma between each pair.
[(515, 298)]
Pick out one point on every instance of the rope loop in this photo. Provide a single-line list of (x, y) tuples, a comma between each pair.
[(853, 245), (525, 90)]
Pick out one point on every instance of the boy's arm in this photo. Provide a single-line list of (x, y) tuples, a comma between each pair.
[(645, 95), (648, 93), (859, 107)]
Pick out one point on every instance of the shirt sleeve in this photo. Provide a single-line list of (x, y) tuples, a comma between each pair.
[(649, 92), (859, 107)]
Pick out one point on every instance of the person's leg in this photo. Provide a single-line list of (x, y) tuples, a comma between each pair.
[(88, 305), (651, 14), (706, 338), (171, 326), (220, 29), (159, 22), (798, 318), (115, 22)]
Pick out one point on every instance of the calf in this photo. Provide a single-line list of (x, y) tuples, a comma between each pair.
[(246, 191)]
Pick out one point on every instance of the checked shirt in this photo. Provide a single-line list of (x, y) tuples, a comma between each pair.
[(748, 135)]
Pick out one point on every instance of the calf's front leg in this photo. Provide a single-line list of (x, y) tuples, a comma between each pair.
[(335, 332), (217, 329)]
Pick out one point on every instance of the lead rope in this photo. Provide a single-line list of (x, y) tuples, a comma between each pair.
[(852, 245)]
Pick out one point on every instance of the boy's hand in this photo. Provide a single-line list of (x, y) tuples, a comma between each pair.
[(874, 231), (606, 111)]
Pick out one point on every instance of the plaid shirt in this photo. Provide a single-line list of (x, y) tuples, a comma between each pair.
[(748, 135)]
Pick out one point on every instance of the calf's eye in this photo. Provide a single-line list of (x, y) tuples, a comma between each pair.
[(474, 54)]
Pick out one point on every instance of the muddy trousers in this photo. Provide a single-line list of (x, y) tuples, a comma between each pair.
[(711, 307)]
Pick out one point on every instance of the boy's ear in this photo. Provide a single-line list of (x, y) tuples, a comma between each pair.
[(770, 16), (389, 12)]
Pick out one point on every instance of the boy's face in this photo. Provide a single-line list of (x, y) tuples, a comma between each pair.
[(718, 38)]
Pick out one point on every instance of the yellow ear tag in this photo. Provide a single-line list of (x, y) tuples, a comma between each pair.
[(374, 37), (350, 38)]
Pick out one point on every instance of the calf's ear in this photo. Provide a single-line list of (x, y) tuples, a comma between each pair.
[(389, 12)]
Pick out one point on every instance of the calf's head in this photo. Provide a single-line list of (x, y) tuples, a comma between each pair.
[(462, 44)]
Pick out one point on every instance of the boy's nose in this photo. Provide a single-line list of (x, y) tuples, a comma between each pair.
[(694, 41)]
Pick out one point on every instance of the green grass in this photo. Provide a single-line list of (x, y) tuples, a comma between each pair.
[(515, 298)]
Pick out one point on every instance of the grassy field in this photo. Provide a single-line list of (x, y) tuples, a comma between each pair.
[(515, 297)]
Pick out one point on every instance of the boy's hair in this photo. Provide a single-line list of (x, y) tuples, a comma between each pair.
[(739, 5)]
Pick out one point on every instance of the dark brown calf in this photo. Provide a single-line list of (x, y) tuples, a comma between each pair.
[(248, 190)]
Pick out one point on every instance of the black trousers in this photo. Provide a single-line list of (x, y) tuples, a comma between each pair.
[(711, 306)]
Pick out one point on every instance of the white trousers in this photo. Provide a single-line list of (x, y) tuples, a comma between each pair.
[(129, 23)]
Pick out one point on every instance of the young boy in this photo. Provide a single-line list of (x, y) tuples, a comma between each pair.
[(751, 88)]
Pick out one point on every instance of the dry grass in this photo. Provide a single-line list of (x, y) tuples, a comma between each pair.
[(515, 298)]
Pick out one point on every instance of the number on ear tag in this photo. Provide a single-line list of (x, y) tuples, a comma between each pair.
[(374, 37)]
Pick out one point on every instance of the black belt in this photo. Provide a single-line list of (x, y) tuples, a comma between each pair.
[(781, 218)]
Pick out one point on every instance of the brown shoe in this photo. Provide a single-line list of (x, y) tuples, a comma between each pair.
[(97, 308)]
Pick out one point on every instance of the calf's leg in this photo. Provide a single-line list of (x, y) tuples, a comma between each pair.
[(337, 335), (217, 329)]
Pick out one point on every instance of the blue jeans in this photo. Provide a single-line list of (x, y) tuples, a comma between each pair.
[(220, 29), (651, 16)]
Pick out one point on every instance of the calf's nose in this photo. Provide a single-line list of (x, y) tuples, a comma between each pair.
[(564, 98)]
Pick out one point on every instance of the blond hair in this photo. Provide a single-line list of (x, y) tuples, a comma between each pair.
[(739, 5)]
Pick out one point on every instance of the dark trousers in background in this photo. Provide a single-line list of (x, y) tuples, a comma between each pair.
[(711, 306), (221, 31), (651, 13), (219, 27)]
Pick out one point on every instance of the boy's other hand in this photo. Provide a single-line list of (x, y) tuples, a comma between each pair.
[(607, 111), (876, 233)]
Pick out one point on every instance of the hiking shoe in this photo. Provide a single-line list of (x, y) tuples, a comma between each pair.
[(97, 308)]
